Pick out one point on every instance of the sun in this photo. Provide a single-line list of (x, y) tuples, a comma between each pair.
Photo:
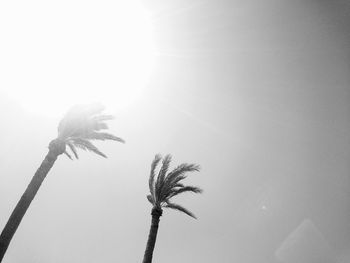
[(54, 54)]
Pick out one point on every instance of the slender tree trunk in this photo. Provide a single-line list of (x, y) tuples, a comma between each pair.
[(28, 196), (152, 236)]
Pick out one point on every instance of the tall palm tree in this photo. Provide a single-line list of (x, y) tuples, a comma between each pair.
[(79, 126), (162, 189)]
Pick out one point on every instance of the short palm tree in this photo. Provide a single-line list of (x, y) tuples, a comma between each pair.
[(79, 126), (162, 189)]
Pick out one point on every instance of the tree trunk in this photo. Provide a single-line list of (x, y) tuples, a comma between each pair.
[(29, 194), (152, 236)]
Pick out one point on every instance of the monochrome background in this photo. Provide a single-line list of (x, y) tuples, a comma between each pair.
[(257, 93)]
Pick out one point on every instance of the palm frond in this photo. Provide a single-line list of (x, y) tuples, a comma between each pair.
[(82, 119), (103, 117), (86, 145), (76, 118), (180, 208), (169, 188), (180, 170), (68, 155), (154, 165), (97, 126), (162, 173), (81, 124), (84, 126), (102, 136), (171, 184), (184, 189), (150, 199), (73, 149), (167, 185), (163, 192)]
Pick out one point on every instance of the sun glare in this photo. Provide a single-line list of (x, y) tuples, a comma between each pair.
[(54, 54)]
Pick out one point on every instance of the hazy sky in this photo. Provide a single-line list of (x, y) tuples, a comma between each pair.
[(256, 92)]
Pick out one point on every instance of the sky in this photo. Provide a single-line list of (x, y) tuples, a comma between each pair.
[(255, 92)]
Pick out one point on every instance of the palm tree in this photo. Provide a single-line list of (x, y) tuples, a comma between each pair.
[(162, 189), (79, 126)]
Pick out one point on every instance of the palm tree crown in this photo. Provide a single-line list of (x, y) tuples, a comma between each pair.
[(80, 125), (167, 184)]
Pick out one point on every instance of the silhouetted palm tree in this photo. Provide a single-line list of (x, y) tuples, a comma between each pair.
[(162, 189), (80, 125)]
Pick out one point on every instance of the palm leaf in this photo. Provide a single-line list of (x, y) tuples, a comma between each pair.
[(103, 117), (174, 177), (154, 165), (184, 189), (164, 192), (102, 136), (167, 185), (73, 149), (171, 184), (162, 173), (180, 208), (81, 124), (97, 126), (68, 155), (86, 145), (150, 199), (180, 170), (81, 119)]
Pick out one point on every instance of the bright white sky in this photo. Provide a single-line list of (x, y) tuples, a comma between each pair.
[(55, 54), (256, 92)]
